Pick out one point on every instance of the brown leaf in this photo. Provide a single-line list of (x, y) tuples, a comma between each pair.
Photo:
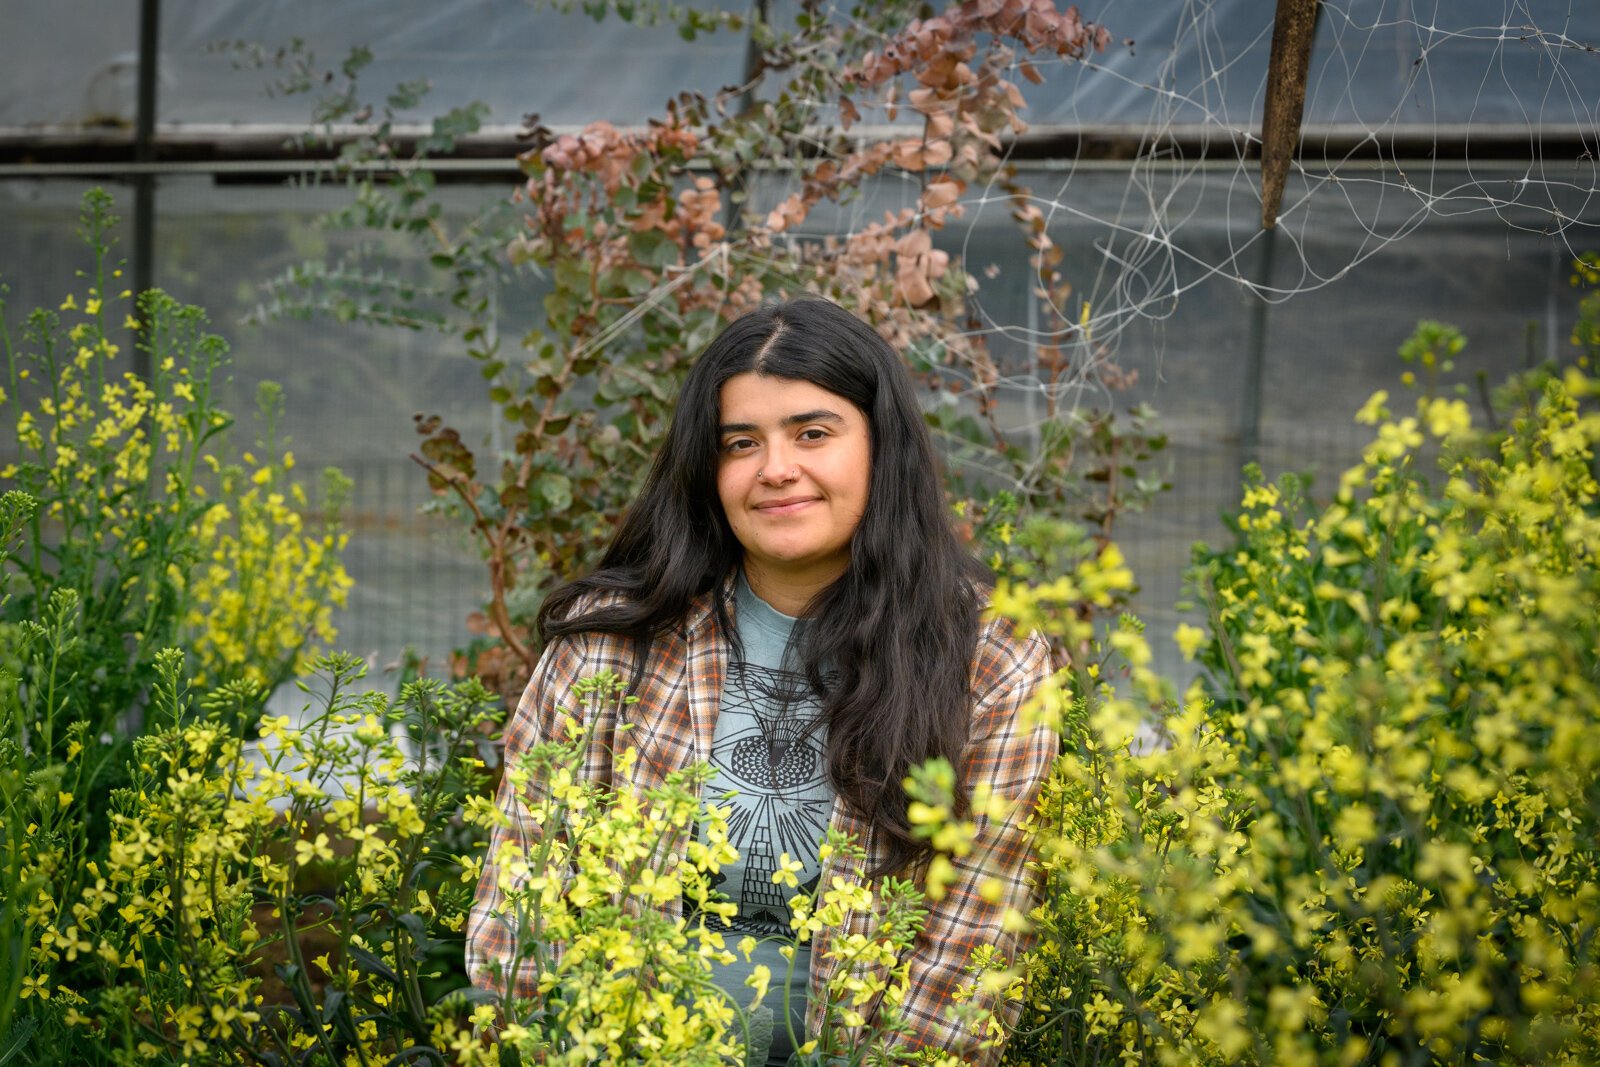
[(914, 243), (937, 153), (908, 155), (941, 193), (848, 115), (914, 288)]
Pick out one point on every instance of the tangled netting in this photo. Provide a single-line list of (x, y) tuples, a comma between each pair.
[(1415, 111)]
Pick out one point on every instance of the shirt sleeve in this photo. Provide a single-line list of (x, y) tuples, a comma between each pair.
[(1012, 758), (545, 706)]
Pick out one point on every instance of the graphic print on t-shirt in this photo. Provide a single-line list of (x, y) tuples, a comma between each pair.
[(774, 759)]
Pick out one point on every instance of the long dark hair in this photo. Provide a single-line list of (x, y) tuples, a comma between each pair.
[(896, 631)]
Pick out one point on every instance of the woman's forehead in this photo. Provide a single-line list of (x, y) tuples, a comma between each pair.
[(752, 399)]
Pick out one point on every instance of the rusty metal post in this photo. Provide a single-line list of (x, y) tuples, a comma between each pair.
[(1292, 32)]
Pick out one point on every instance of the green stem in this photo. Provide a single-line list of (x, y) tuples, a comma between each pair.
[(50, 689)]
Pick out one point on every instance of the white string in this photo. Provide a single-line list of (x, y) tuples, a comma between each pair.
[(1144, 263)]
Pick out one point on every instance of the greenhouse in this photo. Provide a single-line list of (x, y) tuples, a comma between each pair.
[(1255, 340)]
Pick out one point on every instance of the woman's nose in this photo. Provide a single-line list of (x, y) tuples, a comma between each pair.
[(779, 468)]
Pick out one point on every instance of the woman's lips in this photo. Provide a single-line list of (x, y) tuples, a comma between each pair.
[(785, 506)]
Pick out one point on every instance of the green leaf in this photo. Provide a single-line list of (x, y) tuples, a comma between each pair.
[(556, 490), (17, 1038), (653, 248)]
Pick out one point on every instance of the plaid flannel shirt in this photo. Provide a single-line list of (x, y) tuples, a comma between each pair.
[(673, 724)]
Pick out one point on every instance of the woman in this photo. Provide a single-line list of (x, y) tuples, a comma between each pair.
[(792, 605)]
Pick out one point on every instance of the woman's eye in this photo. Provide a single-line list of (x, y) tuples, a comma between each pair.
[(813, 434), (738, 444)]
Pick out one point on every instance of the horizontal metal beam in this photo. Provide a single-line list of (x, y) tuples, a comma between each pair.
[(247, 171), (493, 149)]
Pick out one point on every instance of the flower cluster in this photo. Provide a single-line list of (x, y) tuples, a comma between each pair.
[(195, 937), (603, 968), (272, 582), (116, 547), (1368, 832), (139, 512), (292, 898), (616, 930)]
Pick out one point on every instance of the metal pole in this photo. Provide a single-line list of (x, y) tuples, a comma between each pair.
[(144, 182), (1292, 33)]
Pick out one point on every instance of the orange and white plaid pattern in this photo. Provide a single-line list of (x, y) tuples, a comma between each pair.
[(673, 723)]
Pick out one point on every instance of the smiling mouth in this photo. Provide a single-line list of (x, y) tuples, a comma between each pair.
[(786, 506)]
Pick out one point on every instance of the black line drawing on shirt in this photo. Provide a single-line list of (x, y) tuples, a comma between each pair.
[(778, 767)]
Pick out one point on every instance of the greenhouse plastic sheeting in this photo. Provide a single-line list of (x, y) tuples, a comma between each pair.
[(515, 56), (351, 390), (1377, 63)]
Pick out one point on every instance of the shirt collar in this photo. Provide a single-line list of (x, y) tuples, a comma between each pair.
[(702, 616)]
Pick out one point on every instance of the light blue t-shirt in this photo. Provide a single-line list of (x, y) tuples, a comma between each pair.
[(769, 747)]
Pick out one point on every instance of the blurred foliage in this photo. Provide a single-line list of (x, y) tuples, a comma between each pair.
[(1367, 834), (127, 528), (140, 512), (638, 245)]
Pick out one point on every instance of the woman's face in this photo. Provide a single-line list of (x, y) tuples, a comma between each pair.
[(793, 471)]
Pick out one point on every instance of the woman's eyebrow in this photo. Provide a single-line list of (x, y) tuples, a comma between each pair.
[(820, 415)]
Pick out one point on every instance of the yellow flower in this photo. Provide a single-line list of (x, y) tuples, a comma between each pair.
[(307, 851), (1445, 418), (760, 977), (1373, 411), (1189, 639)]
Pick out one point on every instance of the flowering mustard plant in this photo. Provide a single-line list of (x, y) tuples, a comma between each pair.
[(299, 897), (614, 975), (618, 932), (140, 510), (114, 514), (1368, 832), (274, 578), (230, 859)]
